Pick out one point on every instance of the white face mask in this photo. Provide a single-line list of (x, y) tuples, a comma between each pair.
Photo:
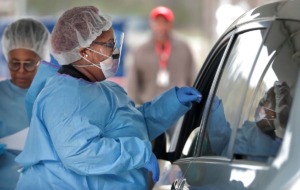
[(109, 66)]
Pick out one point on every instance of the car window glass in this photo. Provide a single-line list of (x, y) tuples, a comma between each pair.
[(231, 89), (204, 84), (251, 108), (268, 99)]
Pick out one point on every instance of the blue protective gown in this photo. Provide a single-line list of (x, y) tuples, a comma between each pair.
[(45, 71), (9, 174), (249, 140), (13, 118), (90, 136)]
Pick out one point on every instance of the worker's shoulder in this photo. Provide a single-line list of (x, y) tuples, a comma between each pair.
[(114, 86), (7, 87), (62, 84), (4, 83), (4, 88)]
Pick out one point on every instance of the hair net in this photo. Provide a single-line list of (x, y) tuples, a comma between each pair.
[(28, 34), (77, 28)]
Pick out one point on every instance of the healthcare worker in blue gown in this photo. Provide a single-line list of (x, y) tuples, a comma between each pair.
[(25, 42), (85, 133), (255, 140)]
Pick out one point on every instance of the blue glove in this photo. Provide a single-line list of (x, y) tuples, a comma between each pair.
[(186, 95), (2, 148), (153, 167)]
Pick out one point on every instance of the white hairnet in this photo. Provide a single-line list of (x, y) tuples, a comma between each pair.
[(27, 34), (77, 28)]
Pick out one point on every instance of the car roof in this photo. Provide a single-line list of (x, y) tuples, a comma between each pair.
[(281, 10)]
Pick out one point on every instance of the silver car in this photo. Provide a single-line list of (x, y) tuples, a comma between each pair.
[(245, 134)]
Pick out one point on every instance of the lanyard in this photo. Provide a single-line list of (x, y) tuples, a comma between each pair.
[(163, 54)]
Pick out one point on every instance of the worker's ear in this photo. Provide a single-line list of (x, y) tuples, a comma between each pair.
[(84, 52)]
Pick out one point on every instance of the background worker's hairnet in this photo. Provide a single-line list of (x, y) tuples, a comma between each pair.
[(77, 28), (27, 34)]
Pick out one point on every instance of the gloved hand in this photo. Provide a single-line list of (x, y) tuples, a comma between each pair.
[(153, 167), (186, 95), (2, 148)]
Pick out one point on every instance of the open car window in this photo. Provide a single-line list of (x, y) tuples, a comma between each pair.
[(189, 133), (251, 105)]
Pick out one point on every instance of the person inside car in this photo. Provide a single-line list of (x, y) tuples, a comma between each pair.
[(255, 140)]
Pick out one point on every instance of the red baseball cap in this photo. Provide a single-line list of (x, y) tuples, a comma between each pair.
[(162, 11)]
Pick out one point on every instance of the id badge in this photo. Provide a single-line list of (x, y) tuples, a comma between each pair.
[(163, 78)]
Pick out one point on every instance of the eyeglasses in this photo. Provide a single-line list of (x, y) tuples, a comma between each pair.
[(27, 65), (110, 45)]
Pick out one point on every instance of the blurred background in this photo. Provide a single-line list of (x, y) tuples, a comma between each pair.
[(200, 22)]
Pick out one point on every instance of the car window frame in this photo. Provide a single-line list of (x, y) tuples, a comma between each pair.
[(205, 76), (233, 35)]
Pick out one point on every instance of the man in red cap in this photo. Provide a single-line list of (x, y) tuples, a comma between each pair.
[(162, 62)]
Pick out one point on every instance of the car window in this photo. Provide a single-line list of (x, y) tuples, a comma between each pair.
[(251, 105), (231, 89), (189, 133)]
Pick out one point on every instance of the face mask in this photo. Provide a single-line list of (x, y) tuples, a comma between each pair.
[(109, 66)]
